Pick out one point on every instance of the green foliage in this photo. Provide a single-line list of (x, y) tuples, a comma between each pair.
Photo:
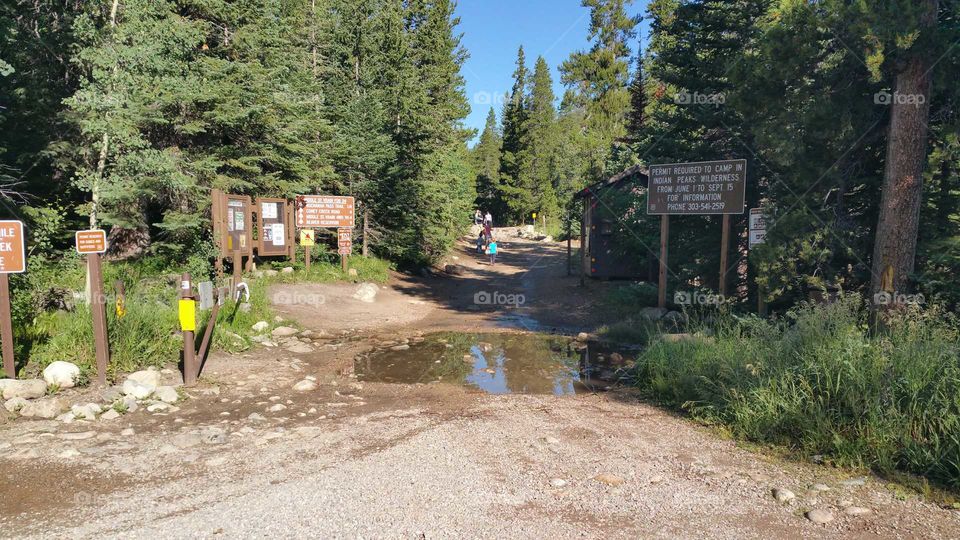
[(821, 382)]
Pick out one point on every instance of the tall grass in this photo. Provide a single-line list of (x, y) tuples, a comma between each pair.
[(821, 382)]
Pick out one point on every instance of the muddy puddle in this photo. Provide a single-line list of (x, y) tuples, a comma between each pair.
[(498, 363)]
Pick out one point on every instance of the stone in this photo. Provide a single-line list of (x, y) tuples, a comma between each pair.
[(270, 273), (583, 337), (853, 482), (43, 408), (214, 435), (609, 479), (260, 326), (69, 453), (128, 432), (551, 440), (245, 307), (130, 403), (455, 269), (159, 407), (820, 516), (111, 394), (66, 418), (653, 313), (558, 482), (136, 390), (286, 270), (146, 377), (283, 331), (401, 347), (15, 404), (112, 414), (78, 435), (88, 411), (256, 417), (166, 394), (857, 511), (25, 388), (366, 292), (305, 385), (62, 374), (674, 318), (300, 348), (820, 487), (352, 272), (783, 495), (277, 408)]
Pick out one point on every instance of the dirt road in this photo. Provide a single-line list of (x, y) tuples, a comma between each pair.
[(248, 455)]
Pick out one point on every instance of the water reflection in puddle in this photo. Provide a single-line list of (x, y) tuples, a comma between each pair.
[(499, 363)]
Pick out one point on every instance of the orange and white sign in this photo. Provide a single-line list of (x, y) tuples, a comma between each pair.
[(13, 255), (91, 241)]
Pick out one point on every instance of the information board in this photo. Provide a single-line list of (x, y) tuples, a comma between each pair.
[(273, 233), (707, 187), (321, 211)]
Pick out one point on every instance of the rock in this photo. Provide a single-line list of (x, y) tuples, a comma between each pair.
[(78, 435), (300, 348), (558, 482), (820, 487), (854, 482), (214, 435), (366, 292), (260, 326), (26, 389), (283, 331), (166, 394), (160, 407), (69, 453), (305, 385), (277, 408), (857, 511), (401, 347), (286, 270), (783, 495), (66, 418), (820, 516), (130, 404), (62, 374), (454, 269), (245, 307), (484, 346), (674, 318), (43, 408), (653, 313), (270, 273), (87, 412), (136, 390), (256, 417), (551, 440), (111, 394), (352, 272), (609, 479), (15, 404), (146, 377), (128, 432), (584, 337), (112, 414)]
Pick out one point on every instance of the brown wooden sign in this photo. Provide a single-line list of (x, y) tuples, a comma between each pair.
[(321, 211), (91, 241), (13, 257), (706, 187), (344, 238), (274, 233)]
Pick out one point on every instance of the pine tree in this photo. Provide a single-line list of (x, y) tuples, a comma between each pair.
[(486, 161), (516, 196), (638, 103), (540, 134)]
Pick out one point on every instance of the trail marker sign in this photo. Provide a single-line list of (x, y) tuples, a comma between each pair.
[(13, 255), (322, 211), (758, 227), (91, 241), (307, 237), (706, 187)]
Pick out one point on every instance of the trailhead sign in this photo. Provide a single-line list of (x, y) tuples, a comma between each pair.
[(706, 187), (323, 211)]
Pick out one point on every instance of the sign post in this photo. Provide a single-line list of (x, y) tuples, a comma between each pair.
[(92, 243), (307, 241), (758, 235), (344, 246), (699, 188), (13, 260), (329, 211), (187, 313)]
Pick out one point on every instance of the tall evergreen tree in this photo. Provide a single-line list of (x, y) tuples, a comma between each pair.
[(486, 161), (540, 145), (517, 197)]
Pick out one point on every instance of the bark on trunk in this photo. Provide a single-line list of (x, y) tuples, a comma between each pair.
[(896, 238)]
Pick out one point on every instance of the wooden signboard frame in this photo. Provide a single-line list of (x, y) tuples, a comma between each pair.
[(230, 244), (269, 248)]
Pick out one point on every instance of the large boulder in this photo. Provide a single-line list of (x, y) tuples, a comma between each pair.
[(62, 374), (43, 408), (366, 292), (284, 331), (26, 389)]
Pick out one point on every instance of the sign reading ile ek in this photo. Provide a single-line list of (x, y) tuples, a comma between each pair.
[(13, 257), (322, 211), (706, 187), (91, 241)]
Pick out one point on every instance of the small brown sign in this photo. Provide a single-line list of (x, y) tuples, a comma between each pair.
[(320, 211), (344, 238), (706, 187), (91, 241), (13, 256), (345, 250)]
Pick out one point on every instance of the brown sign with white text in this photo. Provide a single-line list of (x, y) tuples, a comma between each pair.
[(13, 257), (707, 187), (91, 241)]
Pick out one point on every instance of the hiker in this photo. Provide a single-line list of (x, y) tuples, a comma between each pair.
[(488, 219), (477, 217), (492, 251), (481, 242), (488, 231)]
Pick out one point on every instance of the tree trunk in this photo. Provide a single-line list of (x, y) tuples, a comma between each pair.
[(896, 238)]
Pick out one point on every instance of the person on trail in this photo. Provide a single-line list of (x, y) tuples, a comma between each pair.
[(477, 217), (481, 242), (488, 219), (488, 231), (492, 251)]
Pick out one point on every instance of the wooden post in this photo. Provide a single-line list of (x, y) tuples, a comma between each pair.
[(724, 252), (343, 263), (6, 327), (208, 334), (189, 352), (292, 234), (306, 257), (366, 230), (664, 245), (99, 313), (583, 246), (237, 272)]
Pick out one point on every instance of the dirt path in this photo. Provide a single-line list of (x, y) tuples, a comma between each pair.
[(249, 456)]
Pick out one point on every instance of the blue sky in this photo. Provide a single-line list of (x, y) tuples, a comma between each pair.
[(494, 29)]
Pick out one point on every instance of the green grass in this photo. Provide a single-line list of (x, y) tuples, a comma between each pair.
[(820, 382)]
